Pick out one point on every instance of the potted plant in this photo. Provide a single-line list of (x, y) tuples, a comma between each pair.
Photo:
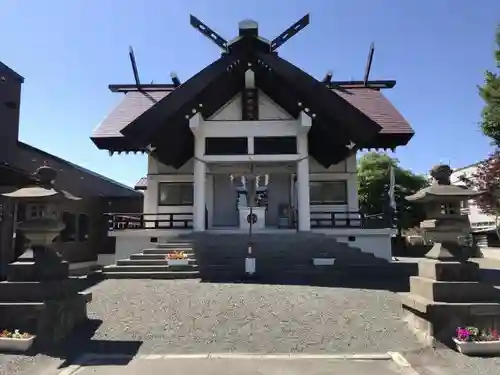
[(324, 260), (15, 340), (474, 341), (177, 258)]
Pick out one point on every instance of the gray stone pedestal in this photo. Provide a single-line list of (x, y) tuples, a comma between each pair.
[(50, 309), (446, 295)]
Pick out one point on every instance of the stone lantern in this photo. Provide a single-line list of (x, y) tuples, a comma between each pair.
[(448, 291), (445, 226), (47, 225), (39, 297)]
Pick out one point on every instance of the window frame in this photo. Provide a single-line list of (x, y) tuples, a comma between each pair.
[(163, 183), (329, 203)]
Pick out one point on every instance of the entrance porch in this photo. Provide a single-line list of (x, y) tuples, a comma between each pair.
[(227, 200)]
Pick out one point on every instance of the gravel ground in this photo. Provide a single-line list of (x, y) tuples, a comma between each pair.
[(185, 316), (191, 317)]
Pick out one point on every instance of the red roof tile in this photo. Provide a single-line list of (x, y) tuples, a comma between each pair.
[(376, 106)]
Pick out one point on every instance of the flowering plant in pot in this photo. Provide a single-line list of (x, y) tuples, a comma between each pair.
[(473, 340), (15, 340), (177, 258)]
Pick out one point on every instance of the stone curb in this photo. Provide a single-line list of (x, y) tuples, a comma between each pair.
[(401, 361), (95, 358)]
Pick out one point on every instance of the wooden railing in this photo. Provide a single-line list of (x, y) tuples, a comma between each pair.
[(184, 220), (122, 221), (349, 219)]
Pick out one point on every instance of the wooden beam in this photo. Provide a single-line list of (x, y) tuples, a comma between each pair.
[(147, 87), (369, 63), (134, 66), (290, 32), (379, 84)]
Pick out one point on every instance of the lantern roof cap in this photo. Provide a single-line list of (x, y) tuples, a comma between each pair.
[(44, 188), (441, 189)]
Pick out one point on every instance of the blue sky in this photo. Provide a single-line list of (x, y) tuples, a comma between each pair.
[(69, 51)]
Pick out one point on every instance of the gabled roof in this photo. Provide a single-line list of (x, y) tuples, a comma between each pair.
[(371, 102), (341, 116), (108, 134)]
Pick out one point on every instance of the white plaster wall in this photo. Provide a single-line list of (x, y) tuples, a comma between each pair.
[(268, 110), (375, 241), (133, 241), (345, 170), (158, 173), (128, 245), (259, 128)]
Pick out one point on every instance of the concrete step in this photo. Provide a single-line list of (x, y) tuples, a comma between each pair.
[(149, 268), (358, 271), (165, 251), (174, 245), (153, 275), (147, 262), (147, 256)]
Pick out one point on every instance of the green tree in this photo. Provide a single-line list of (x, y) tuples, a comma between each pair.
[(373, 183), (490, 92)]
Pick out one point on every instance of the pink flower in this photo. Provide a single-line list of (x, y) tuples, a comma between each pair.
[(463, 334)]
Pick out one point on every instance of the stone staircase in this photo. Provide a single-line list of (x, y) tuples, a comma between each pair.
[(279, 258), (287, 257), (151, 263)]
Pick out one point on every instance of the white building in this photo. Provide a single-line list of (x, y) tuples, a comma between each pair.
[(482, 224), (249, 116)]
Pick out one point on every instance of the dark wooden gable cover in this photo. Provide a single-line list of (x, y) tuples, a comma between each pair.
[(339, 127)]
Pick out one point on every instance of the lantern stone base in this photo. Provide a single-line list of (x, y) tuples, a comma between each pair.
[(46, 303), (447, 295), (434, 322), (51, 321)]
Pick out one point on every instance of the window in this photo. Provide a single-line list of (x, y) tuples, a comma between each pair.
[(275, 145), (68, 234), (226, 146), (175, 194), (83, 228), (328, 192), (35, 211)]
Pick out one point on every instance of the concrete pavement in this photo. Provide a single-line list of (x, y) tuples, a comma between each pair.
[(243, 364)]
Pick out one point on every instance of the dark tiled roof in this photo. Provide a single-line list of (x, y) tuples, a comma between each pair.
[(74, 178), (132, 105), (142, 184)]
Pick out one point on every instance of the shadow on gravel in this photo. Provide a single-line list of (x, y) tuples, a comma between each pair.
[(392, 285), (80, 342)]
